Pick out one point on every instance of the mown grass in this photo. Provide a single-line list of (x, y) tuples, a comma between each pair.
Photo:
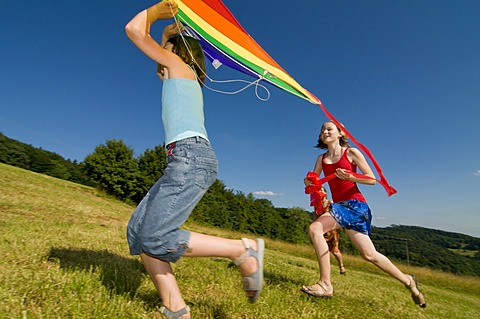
[(64, 255)]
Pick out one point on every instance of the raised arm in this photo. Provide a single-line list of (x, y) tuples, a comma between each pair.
[(138, 31)]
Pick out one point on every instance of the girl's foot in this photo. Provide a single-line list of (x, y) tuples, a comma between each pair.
[(252, 280), (318, 290), (417, 296), (183, 313)]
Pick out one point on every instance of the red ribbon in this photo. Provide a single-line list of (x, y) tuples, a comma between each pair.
[(315, 188), (383, 181)]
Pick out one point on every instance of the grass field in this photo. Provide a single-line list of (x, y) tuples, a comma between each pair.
[(64, 255)]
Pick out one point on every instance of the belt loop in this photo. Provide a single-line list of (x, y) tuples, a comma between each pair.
[(197, 138)]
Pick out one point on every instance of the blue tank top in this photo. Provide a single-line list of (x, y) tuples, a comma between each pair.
[(182, 110)]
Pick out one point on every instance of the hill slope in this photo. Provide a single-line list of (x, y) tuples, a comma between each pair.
[(64, 255), (234, 210), (436, 249)]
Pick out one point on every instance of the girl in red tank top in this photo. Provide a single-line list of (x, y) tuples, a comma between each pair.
[(342, 190), (349, 210)]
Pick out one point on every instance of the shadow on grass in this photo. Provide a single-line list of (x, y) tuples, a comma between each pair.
[(121, 275), (275, 279), (118, 274)]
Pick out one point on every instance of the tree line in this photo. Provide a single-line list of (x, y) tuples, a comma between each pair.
[(15, 153), (437, 249), (113, 168)]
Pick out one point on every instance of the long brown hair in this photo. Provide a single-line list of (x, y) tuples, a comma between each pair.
[(190, 51), (343, 139)]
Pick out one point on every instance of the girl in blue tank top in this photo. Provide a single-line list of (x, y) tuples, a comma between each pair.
[(153, 231)]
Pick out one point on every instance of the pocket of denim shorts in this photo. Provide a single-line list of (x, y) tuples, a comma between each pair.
[(205, 171), (177, 166)]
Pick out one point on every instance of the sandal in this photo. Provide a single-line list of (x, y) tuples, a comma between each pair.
[(342, 270), (318, 290), (254, 282), (174, 315), (418, 299)]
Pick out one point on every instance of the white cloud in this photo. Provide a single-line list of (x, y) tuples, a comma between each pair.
[(266, 193), (477, 173)]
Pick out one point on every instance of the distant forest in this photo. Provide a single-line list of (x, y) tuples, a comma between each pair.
[(113, 168)]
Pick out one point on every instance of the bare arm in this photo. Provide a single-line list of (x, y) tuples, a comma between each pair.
[(317, 169), (357, 158), (318, 165), (138, 31)]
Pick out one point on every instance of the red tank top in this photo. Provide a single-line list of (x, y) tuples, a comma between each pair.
[(342, 190)]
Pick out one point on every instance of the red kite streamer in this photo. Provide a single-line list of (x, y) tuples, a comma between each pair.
[(226, 42)]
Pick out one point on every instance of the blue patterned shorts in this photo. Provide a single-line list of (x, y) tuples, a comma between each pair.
[(353, 214)]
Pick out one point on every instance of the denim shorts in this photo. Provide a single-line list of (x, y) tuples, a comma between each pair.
[(154, 227), (353, 214)]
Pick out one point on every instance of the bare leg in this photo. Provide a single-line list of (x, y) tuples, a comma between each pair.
[(199, 246), (321, 225), (162, 276), (366, 248), (339, 258)]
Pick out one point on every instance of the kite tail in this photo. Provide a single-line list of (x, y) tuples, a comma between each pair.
[(383, 181)]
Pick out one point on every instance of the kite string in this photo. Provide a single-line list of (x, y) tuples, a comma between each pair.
[(313, 99), (249, 84)]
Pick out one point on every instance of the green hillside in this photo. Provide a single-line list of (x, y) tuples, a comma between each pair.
[(64, 255), (113, 168), (436, 249)]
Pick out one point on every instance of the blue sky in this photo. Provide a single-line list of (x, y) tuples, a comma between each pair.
[(403, 76)]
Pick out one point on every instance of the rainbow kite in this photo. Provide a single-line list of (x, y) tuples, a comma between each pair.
[(226, 42)]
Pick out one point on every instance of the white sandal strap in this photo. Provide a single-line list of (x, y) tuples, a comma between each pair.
[(246, 242), (245, 255)]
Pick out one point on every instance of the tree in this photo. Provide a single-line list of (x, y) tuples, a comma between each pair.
[(115, 170), (152, 164), (13, 153)]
